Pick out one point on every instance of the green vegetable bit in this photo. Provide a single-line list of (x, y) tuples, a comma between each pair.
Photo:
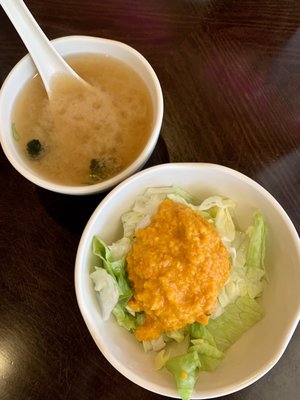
[(34, 148), (103, 168), (15, 133), (97, 167)]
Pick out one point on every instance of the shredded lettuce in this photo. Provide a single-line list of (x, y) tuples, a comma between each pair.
[(248, 268), (237, 308)]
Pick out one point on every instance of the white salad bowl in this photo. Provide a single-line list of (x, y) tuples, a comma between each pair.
[(254, 354), (69, 46)]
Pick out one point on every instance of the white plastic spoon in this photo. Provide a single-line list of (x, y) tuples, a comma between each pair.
[(47, 60)]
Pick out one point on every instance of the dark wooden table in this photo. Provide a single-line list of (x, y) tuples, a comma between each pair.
[(230, 74)]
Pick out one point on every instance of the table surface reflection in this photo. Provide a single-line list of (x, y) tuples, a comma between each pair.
[(230, 74)]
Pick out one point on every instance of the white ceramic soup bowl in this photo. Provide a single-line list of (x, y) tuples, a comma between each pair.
[(254, 354), (74, 45)]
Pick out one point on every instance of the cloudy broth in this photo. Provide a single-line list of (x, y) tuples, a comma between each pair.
[(86, 134)]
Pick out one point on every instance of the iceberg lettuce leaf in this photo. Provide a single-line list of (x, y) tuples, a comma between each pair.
[(155, 345), (120, 248), (179, 335), (198, 331), (236, 319), (203, 342), (225, 225), (124, 318), (101, 250), (216, 202), (185, 370), (161, 358), (114, 268), (106, 290), (204, 348), (113, 271), (130, 221), (165, 191), (256, 248)]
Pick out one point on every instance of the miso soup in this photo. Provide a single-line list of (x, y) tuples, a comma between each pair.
[(84, 134)]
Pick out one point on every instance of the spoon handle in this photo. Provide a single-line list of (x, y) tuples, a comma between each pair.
[(47, 60)]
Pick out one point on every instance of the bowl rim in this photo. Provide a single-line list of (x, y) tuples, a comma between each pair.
[(80, 269), (137, 164)]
